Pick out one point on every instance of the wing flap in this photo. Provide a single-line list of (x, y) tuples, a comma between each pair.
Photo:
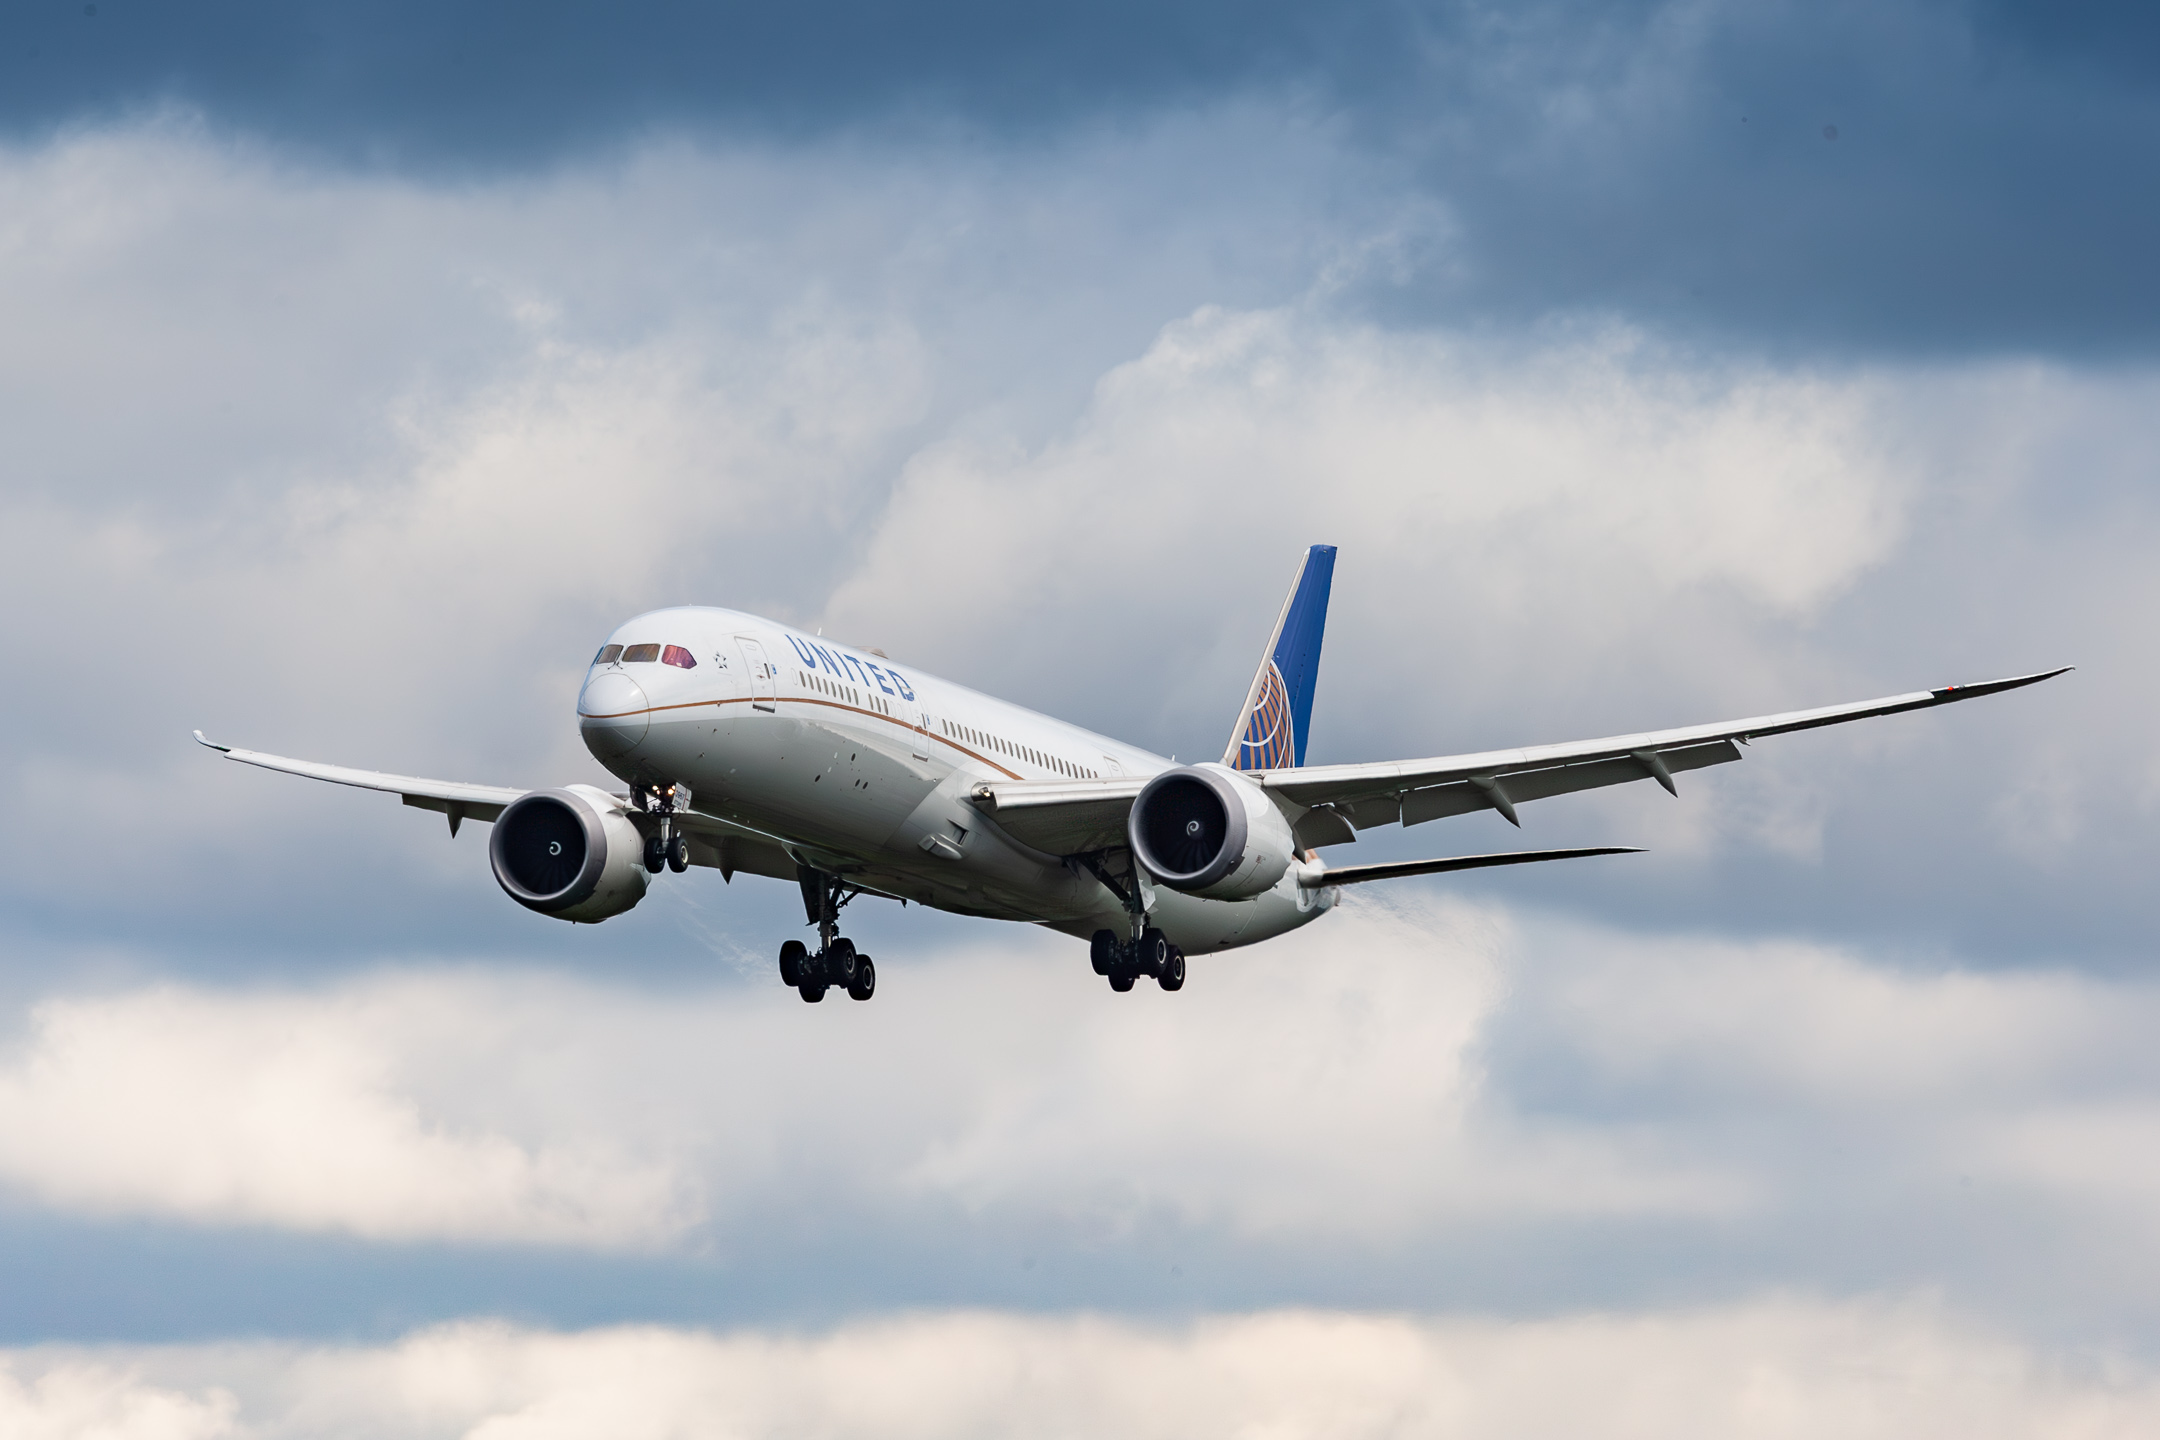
[(1061, 817), (457, 810), (1463, 796), (731, 849)]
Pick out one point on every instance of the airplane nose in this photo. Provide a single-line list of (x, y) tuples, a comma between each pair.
[(611, 714)]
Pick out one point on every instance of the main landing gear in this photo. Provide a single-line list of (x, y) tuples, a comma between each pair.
[(836, 962), (1126, 961), (1149, 952)]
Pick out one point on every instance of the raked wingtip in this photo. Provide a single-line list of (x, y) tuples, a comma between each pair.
[(1996, 687)]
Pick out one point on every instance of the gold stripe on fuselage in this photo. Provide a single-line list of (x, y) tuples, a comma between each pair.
[(829, 704)]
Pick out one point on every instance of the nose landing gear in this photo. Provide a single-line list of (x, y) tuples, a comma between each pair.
[(836, 962), (667, 846)]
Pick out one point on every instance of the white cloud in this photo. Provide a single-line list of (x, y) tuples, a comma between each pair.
[(91, 1401), (1331, 1088), (1590, 484), (980, 412), (1400, 1080), (1820, 1025), (1314, 1093), (287, 1111), (1921, 1095), (1765, 1370)]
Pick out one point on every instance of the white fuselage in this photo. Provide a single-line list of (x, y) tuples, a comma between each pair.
[(865, 769)]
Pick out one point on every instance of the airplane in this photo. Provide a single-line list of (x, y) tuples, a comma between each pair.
[(726, 726)]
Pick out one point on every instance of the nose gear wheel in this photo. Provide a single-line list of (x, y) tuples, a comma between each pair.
[(667, 847)]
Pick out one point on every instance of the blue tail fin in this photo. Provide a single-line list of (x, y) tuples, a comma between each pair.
[(1270, 733)]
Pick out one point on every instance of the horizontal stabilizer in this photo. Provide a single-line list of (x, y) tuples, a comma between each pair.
[(1358, 874)]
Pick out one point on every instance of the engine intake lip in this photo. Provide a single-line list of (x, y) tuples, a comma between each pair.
[(1187, 827), (526, 865)]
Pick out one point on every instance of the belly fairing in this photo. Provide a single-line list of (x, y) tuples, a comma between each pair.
[(795, 778), (1199, 926)]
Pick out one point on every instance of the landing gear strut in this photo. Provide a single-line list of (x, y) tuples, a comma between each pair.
[(1148, 952), (836, 961), (667, 846)]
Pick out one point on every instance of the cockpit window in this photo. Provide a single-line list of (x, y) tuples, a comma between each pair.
[(608, 655), (677, 656), (637, 653)]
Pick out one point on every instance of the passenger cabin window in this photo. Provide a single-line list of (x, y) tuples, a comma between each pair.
[(640, 654), (608, 655), (680, 658)]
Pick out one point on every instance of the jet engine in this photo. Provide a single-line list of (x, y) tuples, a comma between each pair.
[(1209, 831), (569, 853)]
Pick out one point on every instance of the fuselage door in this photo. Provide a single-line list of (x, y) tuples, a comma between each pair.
[(762, 694)]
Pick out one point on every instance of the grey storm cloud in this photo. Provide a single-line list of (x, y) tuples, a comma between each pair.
[(1920, 177)]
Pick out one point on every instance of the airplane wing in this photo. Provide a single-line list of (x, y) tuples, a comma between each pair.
[(1062, 817), (1415, 791), (718, 844), (458, 801), (1332, 802), (730, 848)]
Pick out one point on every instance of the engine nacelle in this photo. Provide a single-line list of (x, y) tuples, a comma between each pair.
[(569, 853), (1208, 831)]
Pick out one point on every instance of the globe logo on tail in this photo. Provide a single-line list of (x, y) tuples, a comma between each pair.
[(1267, 743)]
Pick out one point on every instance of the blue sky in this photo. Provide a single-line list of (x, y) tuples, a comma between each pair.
[(1649, 364)]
